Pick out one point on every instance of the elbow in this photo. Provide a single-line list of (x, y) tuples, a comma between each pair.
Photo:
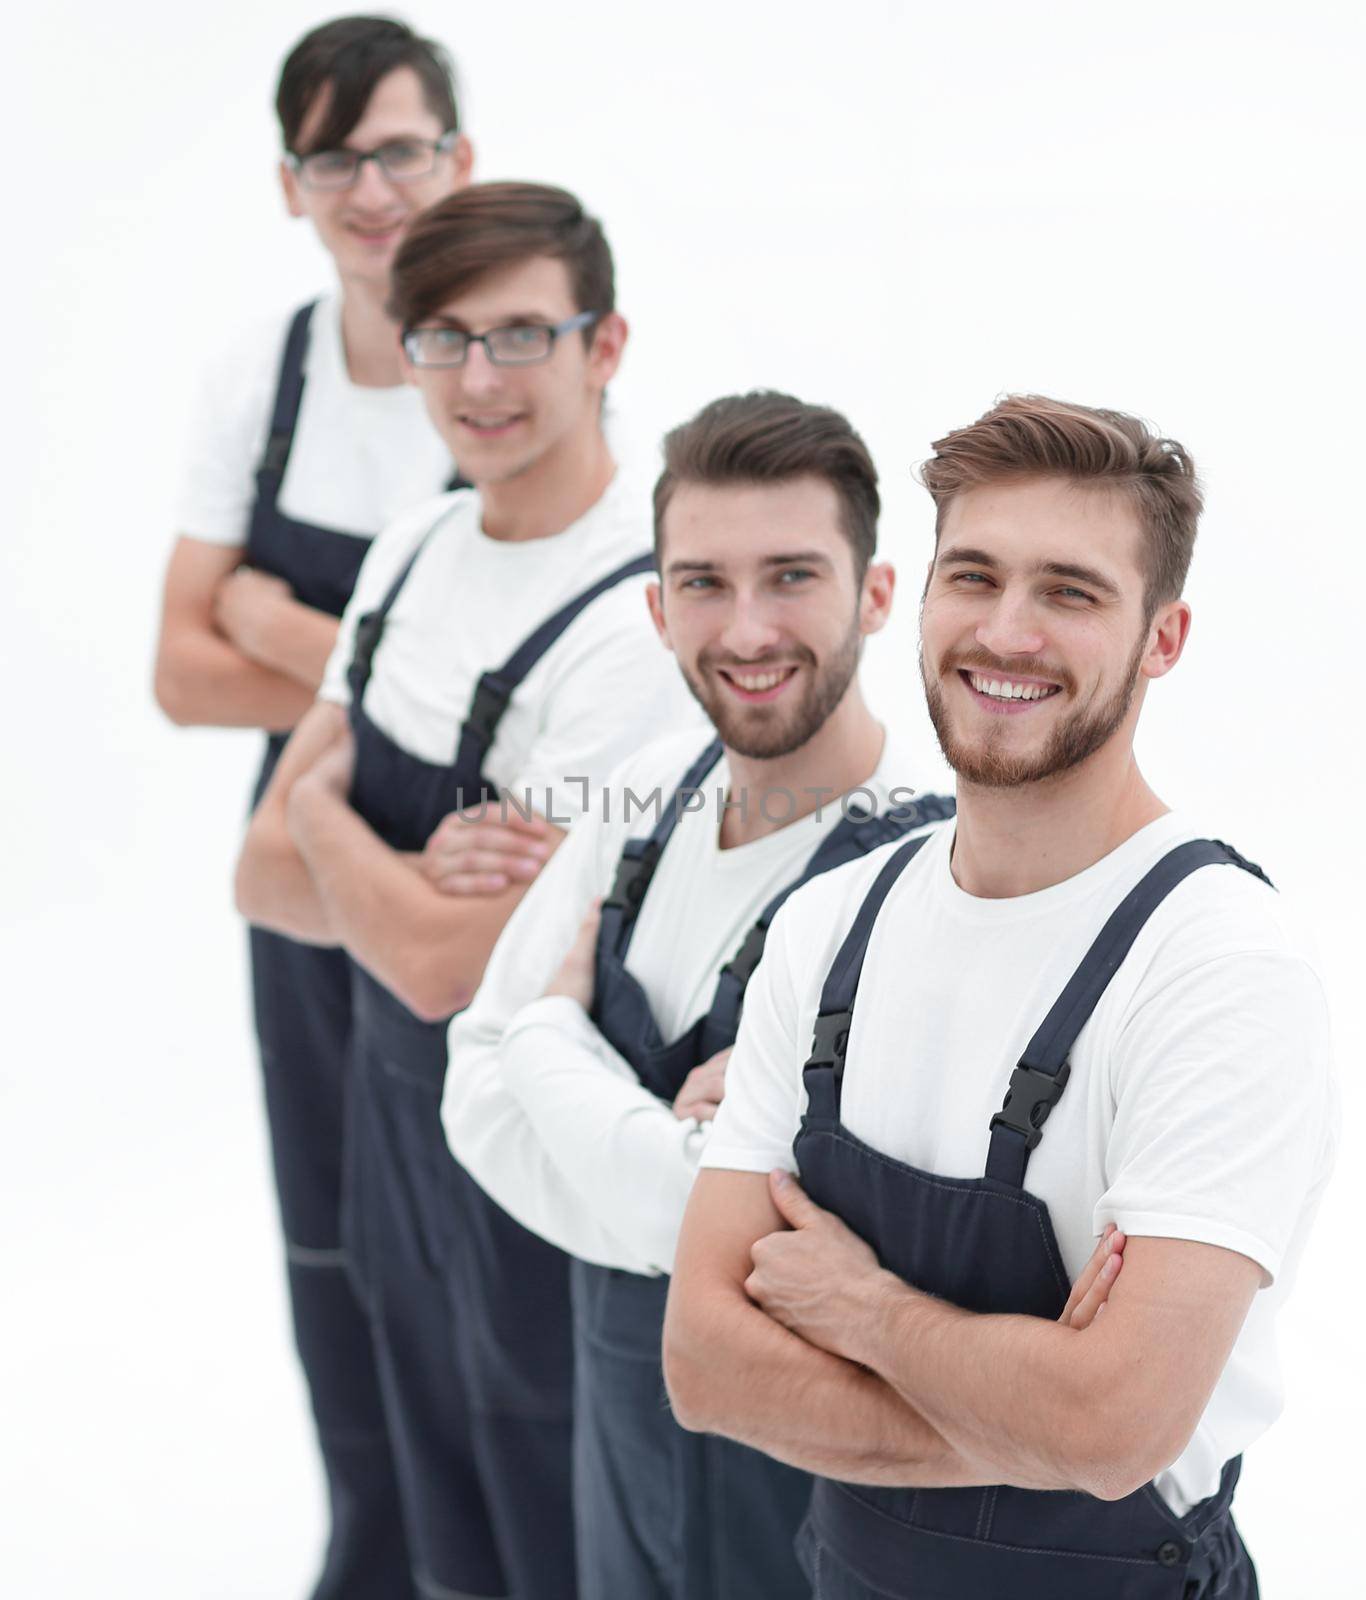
[(433, 991), (686, 1374), (171, 693), (1123, 1460)]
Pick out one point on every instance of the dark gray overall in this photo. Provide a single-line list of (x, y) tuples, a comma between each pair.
[(469, 1311), (988, 1245), (302, 999), (663, 1514)]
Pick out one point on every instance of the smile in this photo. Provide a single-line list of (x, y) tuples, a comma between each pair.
[(758, 686), (491, 423), (1001, 694)]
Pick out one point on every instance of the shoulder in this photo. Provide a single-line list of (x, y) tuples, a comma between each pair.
[(397, 541)]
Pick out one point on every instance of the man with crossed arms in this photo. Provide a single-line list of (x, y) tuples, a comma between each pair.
[(585, 1072), (887, 1318)]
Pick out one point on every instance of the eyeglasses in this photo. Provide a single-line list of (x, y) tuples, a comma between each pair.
[(400, 160), (521, 345)]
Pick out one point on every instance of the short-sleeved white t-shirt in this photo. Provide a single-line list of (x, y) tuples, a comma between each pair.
[(470, 601), (1200, 1104), (360, 455)]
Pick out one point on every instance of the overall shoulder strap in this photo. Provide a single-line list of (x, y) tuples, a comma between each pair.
[(289, 393), (640, 857), (823, 1073), (495, 689), (370, 626), (856, 834), (1037, 1083)]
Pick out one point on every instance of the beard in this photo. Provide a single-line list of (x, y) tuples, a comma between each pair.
[(1073, 740), (768, 732)]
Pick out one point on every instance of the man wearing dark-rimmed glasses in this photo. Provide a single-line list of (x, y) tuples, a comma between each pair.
[(308, 441), (498, 644)]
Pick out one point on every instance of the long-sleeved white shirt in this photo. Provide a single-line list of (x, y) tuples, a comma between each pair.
[(538, 1107)]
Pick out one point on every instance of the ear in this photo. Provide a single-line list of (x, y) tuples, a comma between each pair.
[(654, 598), (875, 603), (293, 199), (462, 155), (604, 354), (1167, 635)]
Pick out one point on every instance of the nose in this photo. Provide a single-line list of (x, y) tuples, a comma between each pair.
[(372, 190), (478, 375), (1011, 627), (751, 629)]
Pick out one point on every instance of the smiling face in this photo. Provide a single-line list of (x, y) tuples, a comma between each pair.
[(1035, 642), (502, 422), (361, 226), (759, 602)]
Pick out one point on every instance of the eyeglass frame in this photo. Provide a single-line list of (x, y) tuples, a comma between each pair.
[(439, 147), (580, 319)]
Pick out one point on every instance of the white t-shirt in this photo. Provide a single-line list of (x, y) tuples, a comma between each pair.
[(1200, 1104), (543, 1112), (360, 455), (470, 601)]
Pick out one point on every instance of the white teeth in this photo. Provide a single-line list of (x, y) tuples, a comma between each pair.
[(1007, 689), (756, 683)]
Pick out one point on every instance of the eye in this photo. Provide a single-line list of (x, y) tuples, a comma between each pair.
[(1069, 593), (969, 579), (793, 575), (698, 582)]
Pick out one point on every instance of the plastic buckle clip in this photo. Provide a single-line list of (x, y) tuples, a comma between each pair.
[(1029, 1099), (486, 710), (633, 879), (369, 631), (831, 1040)]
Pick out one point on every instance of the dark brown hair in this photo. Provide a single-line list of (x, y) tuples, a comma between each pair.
[(493, 225), (349, 56), (1031, 436), (767, 437)]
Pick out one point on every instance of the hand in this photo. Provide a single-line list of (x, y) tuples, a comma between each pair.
[(1092, 1289), (246, 606), (471, 853), (817, 1278), (702, 1089), (576, 975)]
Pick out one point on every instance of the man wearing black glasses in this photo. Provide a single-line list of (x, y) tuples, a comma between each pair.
[(307, 444), (498, 643)]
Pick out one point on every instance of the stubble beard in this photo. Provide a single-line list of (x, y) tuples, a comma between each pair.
[(1075, 738), (761, 734)]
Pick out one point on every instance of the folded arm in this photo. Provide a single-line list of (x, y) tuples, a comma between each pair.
[(1101, 1411), (203, 674), (733, 1370)]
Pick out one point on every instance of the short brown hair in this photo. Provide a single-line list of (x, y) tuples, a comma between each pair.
[(349, 56), (491, 225), (767, 437), (1031, 436)]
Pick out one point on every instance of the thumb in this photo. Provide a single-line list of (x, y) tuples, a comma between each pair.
[(791, 1199)]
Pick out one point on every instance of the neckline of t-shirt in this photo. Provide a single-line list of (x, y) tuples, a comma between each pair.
[(329, 348), (813, 827), (1126, 863)]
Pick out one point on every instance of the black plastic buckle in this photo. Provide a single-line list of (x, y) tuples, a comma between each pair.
[(486, 710), (1029, 1099), (633, 879), (369, 632), (831, 1040), (742, 964), (275, 455)]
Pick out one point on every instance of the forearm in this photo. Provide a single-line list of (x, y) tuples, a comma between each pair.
[(732, 1370), (297, 641), (614, 1145), (274, 888), (202, 680), (429, 949), (1074, 1424)]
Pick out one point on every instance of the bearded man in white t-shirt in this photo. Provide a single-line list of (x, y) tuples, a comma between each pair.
[(1137, 994), (586, 1071), (307, 442)]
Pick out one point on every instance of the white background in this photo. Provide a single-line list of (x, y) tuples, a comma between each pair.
[(900, 209)]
